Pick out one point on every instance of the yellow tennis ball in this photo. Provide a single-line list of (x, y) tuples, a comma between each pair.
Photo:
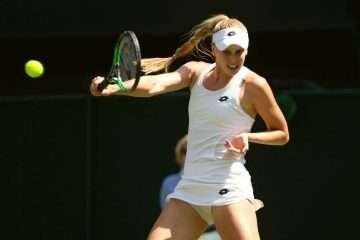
[(34, 68)]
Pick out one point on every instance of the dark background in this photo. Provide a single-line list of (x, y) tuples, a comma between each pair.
[(75, 168)]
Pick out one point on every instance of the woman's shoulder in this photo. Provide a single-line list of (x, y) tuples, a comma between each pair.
[(255, 85), (196, 67), (253, 79)]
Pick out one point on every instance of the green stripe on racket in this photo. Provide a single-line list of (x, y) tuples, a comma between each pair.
[(126, 63)]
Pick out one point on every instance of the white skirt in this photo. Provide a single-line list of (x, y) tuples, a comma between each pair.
[(207, 194), (203, 196)]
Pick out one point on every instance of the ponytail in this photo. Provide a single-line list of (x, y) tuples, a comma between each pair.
[(196, 36)]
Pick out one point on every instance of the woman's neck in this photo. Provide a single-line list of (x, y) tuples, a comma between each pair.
[(216, 79)]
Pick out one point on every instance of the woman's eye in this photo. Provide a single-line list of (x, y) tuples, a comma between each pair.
[(237, 52)]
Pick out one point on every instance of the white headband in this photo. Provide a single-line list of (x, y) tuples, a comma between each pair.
[(228, 36)]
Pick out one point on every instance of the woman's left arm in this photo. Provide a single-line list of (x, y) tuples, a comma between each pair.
[(264, 103)]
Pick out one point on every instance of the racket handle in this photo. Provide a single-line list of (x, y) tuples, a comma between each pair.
[(102, 85)]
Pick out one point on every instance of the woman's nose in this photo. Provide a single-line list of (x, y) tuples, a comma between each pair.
[(232, 59)]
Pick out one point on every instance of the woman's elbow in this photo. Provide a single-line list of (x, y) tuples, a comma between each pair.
[(286, 138)]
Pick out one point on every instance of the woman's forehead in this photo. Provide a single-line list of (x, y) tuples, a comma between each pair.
[(233, 48)]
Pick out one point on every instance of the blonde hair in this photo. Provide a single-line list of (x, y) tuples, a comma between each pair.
[(180, 151), (195, 43)]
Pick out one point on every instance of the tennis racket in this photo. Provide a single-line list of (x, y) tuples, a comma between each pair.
[(126, 63)]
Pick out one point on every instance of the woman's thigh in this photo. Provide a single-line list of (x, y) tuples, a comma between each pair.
[(236, 221), (177, 221)]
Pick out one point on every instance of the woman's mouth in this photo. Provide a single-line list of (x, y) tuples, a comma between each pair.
[(233, 67)]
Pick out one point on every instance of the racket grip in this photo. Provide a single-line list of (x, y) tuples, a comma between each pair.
[(102, 85)]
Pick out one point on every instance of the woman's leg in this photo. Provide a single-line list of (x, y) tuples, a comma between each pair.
[(178, 221), (236, 221)]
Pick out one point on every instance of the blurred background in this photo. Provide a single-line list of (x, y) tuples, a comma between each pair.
[(78, 167)]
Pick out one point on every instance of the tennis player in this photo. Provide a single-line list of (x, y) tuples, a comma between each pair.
[(170, 181), (226, 96)]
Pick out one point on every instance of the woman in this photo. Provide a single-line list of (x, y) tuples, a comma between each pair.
[(225, 98), (170, 181)]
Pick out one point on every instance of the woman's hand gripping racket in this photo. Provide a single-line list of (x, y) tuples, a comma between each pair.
[(126, 64)]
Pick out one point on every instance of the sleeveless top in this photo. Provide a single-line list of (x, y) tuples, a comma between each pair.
[(215, 115)]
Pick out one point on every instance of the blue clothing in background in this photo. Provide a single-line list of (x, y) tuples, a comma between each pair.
[(168, 185)]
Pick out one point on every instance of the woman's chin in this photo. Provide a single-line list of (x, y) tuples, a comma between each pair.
[(233, 70)]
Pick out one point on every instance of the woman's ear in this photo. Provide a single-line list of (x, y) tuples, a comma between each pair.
[(213, 49)]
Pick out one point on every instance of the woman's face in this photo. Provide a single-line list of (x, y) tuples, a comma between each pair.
[(231, 59)]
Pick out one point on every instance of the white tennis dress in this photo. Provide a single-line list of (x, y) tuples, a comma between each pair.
[(214, 176)]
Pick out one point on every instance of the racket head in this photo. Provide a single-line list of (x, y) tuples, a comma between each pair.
[(126, 64)]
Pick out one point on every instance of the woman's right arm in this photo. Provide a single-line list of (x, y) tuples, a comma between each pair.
[(150, 85)]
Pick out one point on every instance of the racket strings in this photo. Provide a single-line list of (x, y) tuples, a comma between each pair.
[(129, 62), (126, 61)]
